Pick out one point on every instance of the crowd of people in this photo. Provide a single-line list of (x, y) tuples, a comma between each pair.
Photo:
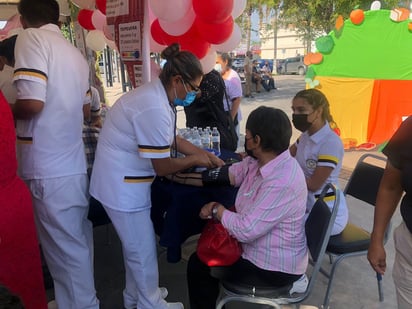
[(66, 150)]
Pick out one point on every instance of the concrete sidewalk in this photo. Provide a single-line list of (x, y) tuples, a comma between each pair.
[(355, 284)]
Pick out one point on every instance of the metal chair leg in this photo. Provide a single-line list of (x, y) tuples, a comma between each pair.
[(380, 287), (331, 277)]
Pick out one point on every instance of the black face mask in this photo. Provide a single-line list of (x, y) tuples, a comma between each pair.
[(248, 151), (300, 122)]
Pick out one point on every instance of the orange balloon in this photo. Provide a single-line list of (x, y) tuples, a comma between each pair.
[(357, 16), (339, 22), (316, 58), (312, 58), (307, 59)]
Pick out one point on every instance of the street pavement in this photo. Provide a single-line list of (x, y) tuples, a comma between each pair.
[(355, 284)]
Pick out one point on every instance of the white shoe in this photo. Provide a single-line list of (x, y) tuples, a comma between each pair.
[(175, 306), (52, 304), (300, 285), (163, 292)]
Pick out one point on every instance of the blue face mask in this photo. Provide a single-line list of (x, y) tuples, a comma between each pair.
[(190, 97)]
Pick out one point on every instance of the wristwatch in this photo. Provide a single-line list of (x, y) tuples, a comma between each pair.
[(214, 212)]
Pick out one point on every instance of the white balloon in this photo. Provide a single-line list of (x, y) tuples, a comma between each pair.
[(95, 40), (170, 10), (98, 20), (208, 61), (376, 5), (238, 8), (85, 4), (232, 42), (181, 26)]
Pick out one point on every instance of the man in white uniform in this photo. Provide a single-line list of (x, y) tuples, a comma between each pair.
[(51, 77)]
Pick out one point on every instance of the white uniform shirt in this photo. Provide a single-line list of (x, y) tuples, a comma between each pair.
[(234, 90), (324, 148), (50, 69), (139, 127)]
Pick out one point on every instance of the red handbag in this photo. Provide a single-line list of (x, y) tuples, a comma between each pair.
[(216, 247)]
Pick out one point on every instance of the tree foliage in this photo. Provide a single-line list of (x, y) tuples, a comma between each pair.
[(314, 18), (310, 18)]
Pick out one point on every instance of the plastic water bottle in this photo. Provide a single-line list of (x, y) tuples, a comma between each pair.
[(216, 140), (196, 139), (205, 139)]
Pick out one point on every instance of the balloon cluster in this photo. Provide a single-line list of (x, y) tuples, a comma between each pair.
[(199, 26), (92, 17)]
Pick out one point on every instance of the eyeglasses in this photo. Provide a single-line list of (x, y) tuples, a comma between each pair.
[(195, 89)]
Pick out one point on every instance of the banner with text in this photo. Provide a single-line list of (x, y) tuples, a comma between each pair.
[(125, 20)]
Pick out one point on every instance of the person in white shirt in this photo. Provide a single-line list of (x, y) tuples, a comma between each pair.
[(319, 150), (134, 146), (51, 77)]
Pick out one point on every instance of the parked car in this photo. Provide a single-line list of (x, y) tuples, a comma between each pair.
[(294, 65)]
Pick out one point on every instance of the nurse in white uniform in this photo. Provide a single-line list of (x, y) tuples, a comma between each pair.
[(134, 146)]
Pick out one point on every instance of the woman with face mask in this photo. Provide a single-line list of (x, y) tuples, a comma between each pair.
[(231, 101), (134, 146), (233, 85), (319, 150), (269, 220)]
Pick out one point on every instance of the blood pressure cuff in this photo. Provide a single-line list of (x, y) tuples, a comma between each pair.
[(216, 177)]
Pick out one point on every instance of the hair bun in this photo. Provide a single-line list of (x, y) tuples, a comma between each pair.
[(171, 51)]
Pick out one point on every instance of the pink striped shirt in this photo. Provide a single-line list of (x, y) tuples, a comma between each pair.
[(270, 206)]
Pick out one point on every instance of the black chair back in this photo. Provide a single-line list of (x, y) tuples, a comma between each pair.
[(365, 179), (316, 227)]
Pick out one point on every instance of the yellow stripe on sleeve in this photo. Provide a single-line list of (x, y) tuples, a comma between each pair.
[(328, 159)]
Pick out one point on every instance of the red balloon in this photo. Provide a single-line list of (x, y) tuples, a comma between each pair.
[(101, 5), (215, 33), (159, 35), (190, 41), (213, 11), (193, 42), (85, 19)]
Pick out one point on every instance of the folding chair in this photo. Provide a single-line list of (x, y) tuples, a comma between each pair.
[(318, 228), (363, 185)]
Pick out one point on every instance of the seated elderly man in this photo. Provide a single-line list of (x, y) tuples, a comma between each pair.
[(269, 221), (268, 81), (256, 76)]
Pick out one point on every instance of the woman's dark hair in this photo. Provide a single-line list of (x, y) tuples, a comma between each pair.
[(226, 58), (273, 127), (39, 12), (179, 62), (7, 48), (317, 99)]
